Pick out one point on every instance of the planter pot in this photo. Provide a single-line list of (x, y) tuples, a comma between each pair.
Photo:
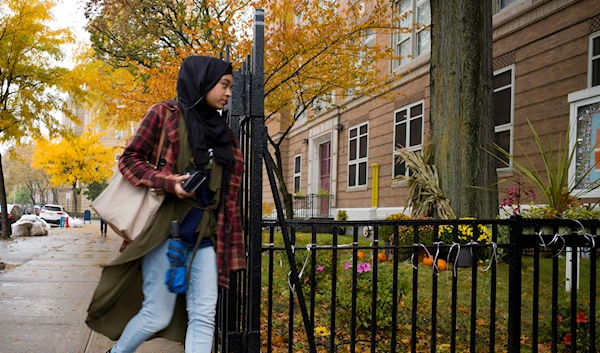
[(465, 258), (549, 230), (341, 230)]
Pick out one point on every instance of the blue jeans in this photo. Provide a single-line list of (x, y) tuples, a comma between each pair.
[(103, 227), (159, 303)]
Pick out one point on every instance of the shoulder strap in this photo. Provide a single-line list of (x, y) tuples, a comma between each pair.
[(162, 137)]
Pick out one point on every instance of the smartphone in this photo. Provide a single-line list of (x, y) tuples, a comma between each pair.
[(194, 181)]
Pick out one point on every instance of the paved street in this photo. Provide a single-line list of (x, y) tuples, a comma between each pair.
[(46, 289)]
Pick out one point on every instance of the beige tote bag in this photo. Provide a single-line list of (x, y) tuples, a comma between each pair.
[(129, 209)]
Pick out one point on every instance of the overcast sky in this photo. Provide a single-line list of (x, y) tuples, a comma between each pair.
[(70, 13)]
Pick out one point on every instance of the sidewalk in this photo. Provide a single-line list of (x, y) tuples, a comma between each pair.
[(46, 289)]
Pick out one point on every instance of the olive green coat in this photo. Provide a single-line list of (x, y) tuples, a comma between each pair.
[(119, 296)]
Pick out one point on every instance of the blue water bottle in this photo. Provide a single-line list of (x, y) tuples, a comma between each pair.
[(176, 276)]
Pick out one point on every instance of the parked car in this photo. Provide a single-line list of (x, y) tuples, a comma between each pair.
[(52, 213), (14, 214)]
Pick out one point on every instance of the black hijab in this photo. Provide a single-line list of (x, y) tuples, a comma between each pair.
[(206, 127)]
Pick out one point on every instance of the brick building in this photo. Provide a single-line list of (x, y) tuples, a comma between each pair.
[(546, 60), (112, 138)]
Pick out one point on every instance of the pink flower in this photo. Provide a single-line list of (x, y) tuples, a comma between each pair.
[(364, 267), (567, 339), (320, 269), (348, 265)]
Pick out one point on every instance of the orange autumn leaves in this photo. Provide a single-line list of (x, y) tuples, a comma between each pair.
[(314, 51)]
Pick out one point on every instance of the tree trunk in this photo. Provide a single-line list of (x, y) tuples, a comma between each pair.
[(32, 190), (4, 219), (75, 198), (462, 125), (54, 196)]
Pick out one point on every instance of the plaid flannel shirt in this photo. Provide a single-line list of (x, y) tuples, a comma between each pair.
[(135, 165)]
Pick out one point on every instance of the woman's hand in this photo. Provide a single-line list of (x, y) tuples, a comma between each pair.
[(182, 194)]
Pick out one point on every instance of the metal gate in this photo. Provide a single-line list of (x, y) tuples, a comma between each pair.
[(238, 311), (239, 307)]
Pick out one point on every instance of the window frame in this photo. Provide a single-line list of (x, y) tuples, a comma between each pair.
[(323, 102), (412, 36), (298, 105), (417, 31), (297, 174), (369, 39), (497, 5), (591, 57), (415, 148), (358, 160), (510, 126), (574, 135)]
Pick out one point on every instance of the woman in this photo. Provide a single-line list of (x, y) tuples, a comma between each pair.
[(132, 303)]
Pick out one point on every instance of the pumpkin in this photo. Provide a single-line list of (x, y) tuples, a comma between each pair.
[(442, 265), (381, 257), (428, 260), (360, 255)]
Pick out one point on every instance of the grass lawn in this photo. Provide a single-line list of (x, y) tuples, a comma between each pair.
[(333, 264)]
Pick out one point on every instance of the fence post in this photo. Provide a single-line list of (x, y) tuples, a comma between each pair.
[(515, 264), (257, 98)]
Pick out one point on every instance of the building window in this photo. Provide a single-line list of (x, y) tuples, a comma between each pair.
[(322, 103), (408, 133), (503, 107), (585, 132), (300, 112), (416, 16), (297, 172), (594, 62), (368, 39), (358, 144), (498, 5)]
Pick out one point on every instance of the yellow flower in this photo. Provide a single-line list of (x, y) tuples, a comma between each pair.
[(465, 232), (321, 331)]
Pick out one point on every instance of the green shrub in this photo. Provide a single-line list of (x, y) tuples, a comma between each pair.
[(342, 215), (385, 232), (406, 234), (564, 329), (364, 294), (572, 212)]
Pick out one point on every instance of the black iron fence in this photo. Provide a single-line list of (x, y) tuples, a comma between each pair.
[(327, 292), (312, 206), (364, 296)]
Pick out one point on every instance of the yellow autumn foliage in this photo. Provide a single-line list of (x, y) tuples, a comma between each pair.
[(74, 158)]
